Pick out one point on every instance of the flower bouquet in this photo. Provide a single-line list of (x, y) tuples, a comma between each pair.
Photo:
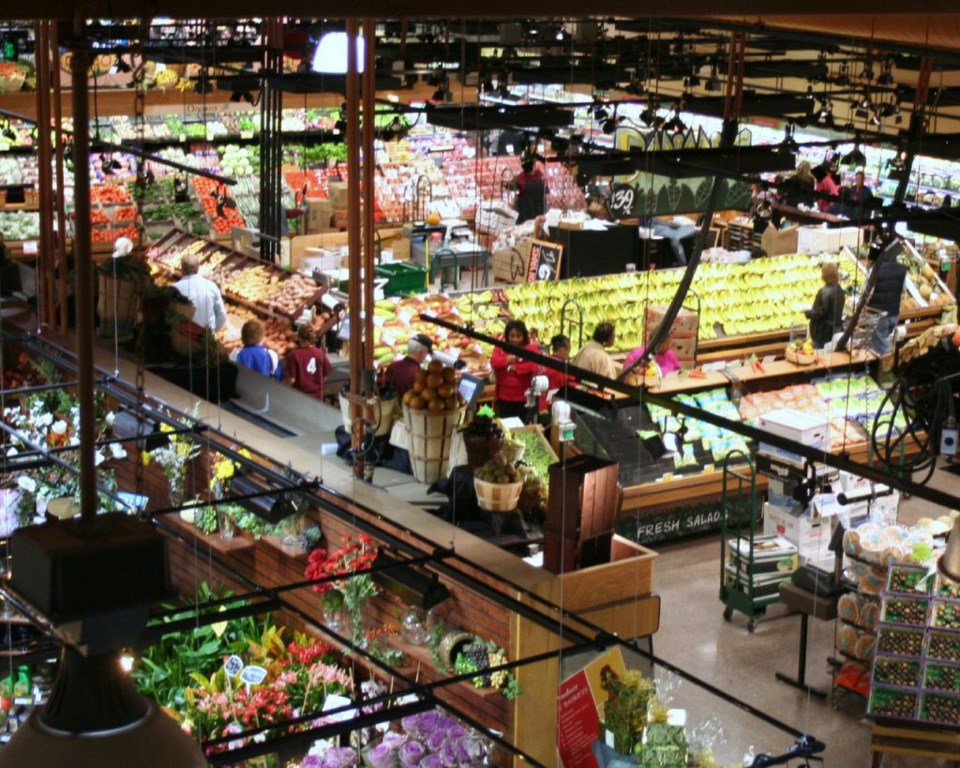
[(173, 456), (355, 587)]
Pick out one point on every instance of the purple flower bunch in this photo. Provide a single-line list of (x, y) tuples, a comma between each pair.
[(428, 740), (332, 757)]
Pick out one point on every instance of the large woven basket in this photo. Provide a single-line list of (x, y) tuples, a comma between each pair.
[(430, 435), (497, 497), (799, 358)]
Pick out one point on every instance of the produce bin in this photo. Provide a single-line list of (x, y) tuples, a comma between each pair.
[(402, 279)]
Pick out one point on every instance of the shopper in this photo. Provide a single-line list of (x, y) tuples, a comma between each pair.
[(798, 188), (826, 314), (593, 357), (254, 355), (856, 197), (203, 294), (885, 297), (306, 367), (675, 231), (401, 374), (559, 350), (826, 185), (665, 358), (513, 374), (532, 189)]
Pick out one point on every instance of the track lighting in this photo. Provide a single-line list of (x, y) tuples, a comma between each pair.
[(122, 65), (693, 81), (675, 124), (647, 116), (843, 76), (854, 157), (874, 119), (610, 124), (886, 75)]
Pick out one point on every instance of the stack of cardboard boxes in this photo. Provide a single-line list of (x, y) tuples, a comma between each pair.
[(683, 333), (328, 214)]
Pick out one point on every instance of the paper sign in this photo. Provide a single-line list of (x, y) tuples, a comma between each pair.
[(769, 359), (29, 247), (246, 134), (334, 701), (253, 675), (717, 365), (232, 666), (577, 722)]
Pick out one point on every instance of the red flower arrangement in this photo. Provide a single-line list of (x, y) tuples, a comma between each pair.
[(351, 559)]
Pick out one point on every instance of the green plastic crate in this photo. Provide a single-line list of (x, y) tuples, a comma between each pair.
[(402, 279)]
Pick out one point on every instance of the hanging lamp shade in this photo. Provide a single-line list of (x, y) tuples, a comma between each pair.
[(949, 562), (330, 57)]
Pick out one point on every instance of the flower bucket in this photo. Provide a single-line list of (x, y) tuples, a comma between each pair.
[(497, 497), (430, 433)]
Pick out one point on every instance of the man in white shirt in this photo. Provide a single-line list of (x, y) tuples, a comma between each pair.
[(203, 294)]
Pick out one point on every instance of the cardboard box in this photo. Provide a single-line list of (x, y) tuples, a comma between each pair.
[(811, 537), (337, 192), (510, 264), (494, 217), (778, 241), (685, 348), (319, 216), (804, 428), (685, 323)]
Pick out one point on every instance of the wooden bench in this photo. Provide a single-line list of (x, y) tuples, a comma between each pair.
[(914, 741)]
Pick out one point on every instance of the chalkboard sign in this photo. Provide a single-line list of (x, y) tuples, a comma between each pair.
[(621, 202), (544, 261)]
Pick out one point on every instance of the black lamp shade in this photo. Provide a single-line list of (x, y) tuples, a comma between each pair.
[(413, 586)]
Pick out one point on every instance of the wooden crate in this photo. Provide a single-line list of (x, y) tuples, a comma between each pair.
[(583, 497)]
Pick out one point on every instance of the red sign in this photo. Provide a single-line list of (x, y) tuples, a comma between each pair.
[(578, 724)]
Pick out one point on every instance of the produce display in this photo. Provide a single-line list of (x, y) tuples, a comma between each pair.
[(19, 225), (901, 642), (396, 320), (434, 389), (704, 443)]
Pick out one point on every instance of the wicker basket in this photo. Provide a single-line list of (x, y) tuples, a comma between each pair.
[(799, 358), (497, 497), (430, 435)]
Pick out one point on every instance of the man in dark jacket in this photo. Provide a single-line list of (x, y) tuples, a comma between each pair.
[(885, 297), (826, 315), (401, 374)]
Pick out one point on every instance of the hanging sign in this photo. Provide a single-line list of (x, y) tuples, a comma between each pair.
[(622, 201), (544, 261)]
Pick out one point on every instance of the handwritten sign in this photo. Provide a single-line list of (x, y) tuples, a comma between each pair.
[(544, 261), (621, 202), (233, 666), (253, 675)]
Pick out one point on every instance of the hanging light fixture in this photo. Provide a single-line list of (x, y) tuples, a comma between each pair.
[(330, 58), (675, 124), (854, 157)]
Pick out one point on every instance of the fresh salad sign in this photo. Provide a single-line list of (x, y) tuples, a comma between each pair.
[(650, 194)]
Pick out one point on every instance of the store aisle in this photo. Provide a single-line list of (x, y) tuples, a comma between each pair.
[(694, 636)]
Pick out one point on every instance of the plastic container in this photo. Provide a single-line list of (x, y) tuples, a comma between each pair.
[(896, 672), (941, 677), (940, 708), (893, 641), (905, 610), (943, 645), (402, 279), (497, 497), (908, 580), (900, 703), (946, 613)]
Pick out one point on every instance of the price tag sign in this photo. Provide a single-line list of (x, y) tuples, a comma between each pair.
[(4, 146), (769, 359), (335, 701), (232, 666), (23, 701), (29, 247), (545, 259), (253, 675), (182, 137), (621, 202), (246, 134)]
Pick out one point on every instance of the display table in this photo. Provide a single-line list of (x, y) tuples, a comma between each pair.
[(807, 604), (913, 741)]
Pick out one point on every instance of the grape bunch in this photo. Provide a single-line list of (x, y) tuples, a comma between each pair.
[(494, 659), (484, 426), (473, 658)]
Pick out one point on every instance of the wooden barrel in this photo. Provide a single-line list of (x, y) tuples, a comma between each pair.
[(430, 433), (117, 306)]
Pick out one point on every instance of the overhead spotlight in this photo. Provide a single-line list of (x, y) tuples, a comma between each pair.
[(675, 124), (693, 81), (486, 84), (886, 76), (898, 115), (820, 70), (854, 157), (867, 73), (843, 76), (9, 133), (647, 116), (442, 94), (203, 85), (122, 65), (713, 84), (394, 130), (238, 97), (874, 119), (610, 124)]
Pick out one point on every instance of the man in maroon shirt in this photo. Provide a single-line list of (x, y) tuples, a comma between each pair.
[(306, 367), (401, 374)]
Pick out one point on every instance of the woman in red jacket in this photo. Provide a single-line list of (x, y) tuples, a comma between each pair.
[(513, 373)]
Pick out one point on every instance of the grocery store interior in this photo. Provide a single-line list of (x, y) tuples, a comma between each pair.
[(412, 389)]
